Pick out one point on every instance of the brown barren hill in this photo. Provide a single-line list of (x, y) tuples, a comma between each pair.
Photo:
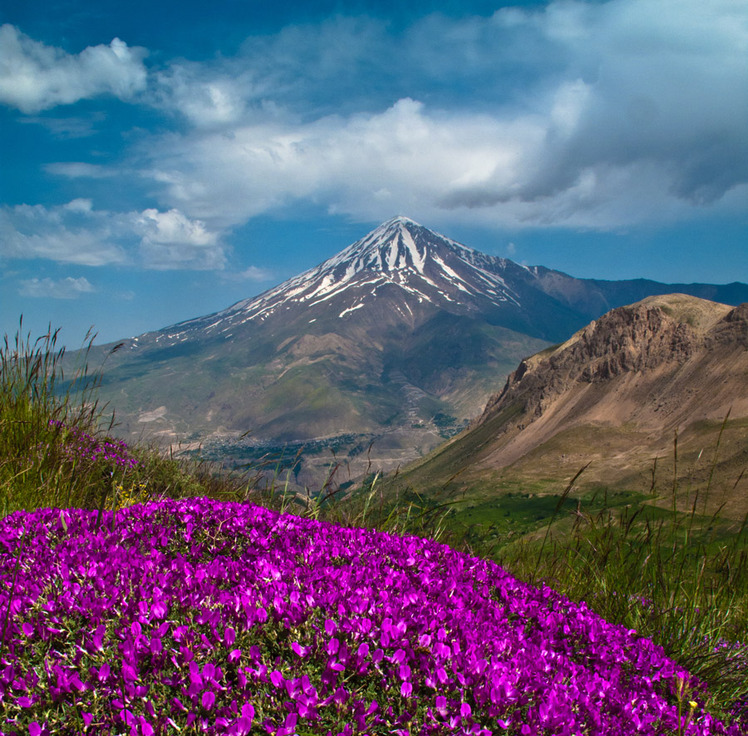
[(641, 394)]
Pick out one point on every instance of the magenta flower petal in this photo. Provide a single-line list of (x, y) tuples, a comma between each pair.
[(276, 678), (208, 699)]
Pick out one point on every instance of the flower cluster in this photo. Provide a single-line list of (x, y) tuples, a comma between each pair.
[(224, 618), (130, 495), (81, 446)]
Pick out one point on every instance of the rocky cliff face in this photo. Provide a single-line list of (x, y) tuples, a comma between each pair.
[(616, 395), (733, 328), (658, 335)]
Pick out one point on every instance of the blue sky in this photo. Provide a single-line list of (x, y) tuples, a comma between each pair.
[(161, 160)]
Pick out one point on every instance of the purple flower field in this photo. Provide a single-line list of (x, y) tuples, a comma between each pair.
[(79, 445), (216, 618)]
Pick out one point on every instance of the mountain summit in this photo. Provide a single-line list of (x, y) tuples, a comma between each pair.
[(402, 272), (399, 339), (400, 255), (402, 264)]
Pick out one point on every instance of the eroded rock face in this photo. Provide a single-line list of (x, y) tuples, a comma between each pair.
[(665, 379), (732, 328), (649, 338)]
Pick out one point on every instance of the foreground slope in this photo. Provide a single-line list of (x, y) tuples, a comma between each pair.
[(619, 394), (232, 619)]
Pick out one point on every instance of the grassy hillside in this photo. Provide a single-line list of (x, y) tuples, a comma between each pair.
[(675, 575)]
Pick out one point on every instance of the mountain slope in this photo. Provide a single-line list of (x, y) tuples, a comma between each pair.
[(614, 395), (398, 339), (400, 272)]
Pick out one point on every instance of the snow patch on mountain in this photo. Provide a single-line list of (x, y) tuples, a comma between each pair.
[(423, 264), (399, 252)]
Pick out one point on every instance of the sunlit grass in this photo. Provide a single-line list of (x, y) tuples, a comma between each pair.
[(678, 579)]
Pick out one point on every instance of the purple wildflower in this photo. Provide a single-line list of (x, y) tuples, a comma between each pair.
[(282, 624)]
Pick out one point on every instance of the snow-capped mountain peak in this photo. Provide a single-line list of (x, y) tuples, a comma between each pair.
[(399, 260), (399, 253), (389, 248)]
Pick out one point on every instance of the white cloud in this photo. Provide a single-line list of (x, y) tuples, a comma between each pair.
[(252, 273), (172, 227), (77, 233), (71, 233), (171, 240), (80, 205), (404, 154), (68, 128), (79, 170), (35, 77), (627, 114), (205, 98), (68, 288)]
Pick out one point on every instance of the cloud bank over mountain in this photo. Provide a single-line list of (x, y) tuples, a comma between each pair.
[(577, 114), (626, 116)]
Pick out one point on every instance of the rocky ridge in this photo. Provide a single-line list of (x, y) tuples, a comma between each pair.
[(650, 336), (618, 394)]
